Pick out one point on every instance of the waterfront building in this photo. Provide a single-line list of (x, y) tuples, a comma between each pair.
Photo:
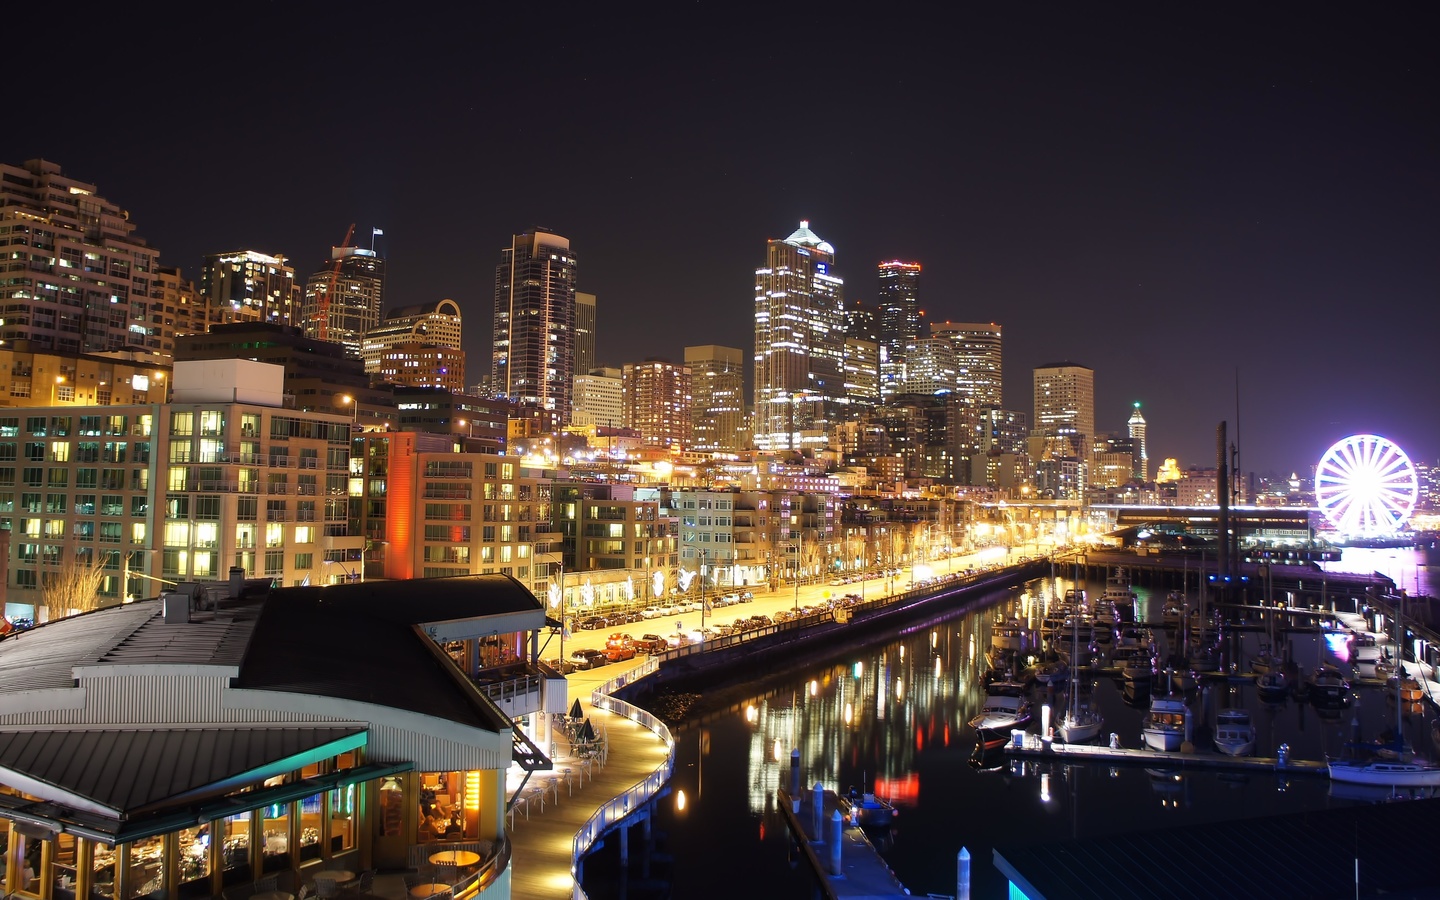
[(80, 279), (477, 424), (534, 335), (249, 286), (599, 398), (753, 536), (978, 363), (612, 526), (343, 300), (898, 304), (223, 475), (1136, 427), (426, 511), (657, 400), (1065, 396), (799, 342), (717, 411), (1112, 461), (584, 333), (266, 733)]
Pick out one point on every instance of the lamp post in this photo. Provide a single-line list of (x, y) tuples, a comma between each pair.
[(354, 405), (349, 576), (55, 388)]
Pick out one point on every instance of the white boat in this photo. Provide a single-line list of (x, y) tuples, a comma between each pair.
[(1163, 727), (1005, 708), (1010, 635), (1234, 733), (1055, 672), (1138, 669), (1118, 596)]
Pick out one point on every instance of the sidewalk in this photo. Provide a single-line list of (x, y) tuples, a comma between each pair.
[(541, 842)]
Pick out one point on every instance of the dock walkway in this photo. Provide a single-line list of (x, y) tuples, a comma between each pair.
[(1034, 746), (863, 874)]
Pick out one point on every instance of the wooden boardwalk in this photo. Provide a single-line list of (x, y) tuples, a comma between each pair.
[(541, 843), (863, 874)]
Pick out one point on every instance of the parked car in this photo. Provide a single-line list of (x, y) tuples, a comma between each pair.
[(619, 647), (650, 612), (650, 643), (588, 658)]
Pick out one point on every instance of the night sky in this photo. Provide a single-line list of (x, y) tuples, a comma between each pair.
[(1166, 196)]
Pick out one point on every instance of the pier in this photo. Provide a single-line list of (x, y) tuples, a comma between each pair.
[(1035, 747), (856, 871)]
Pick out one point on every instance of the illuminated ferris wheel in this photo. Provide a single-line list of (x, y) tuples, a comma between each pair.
[(1366, 486)]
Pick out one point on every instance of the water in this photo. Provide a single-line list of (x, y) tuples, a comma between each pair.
[(893, 718), (1415, 570)]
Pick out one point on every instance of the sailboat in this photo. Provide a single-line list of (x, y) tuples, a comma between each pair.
[(1403, 769), (1080, 723)]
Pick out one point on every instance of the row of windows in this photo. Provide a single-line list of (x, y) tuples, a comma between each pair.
[(86, 426)]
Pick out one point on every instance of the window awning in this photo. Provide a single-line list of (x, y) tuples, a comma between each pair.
[(93, 827)]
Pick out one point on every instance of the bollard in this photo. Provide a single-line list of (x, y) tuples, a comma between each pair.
[(1114, 741), (836, 836), (962, 875), (1282, 756), (795, 773), (817, 815)]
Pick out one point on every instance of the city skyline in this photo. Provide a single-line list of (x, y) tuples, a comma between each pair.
[(1180, 213)]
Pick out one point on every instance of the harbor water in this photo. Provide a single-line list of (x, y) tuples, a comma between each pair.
[(892, 718)]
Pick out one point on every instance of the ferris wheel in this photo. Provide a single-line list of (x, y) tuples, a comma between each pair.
[(1366, 486)]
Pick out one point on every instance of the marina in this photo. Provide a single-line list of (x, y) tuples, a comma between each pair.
[(845, 863)]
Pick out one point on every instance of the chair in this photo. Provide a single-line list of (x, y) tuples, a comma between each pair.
[(268, 883), (365, 882), (303, 893), (445, 874), (325, 888)]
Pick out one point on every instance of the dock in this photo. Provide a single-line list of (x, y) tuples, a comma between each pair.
[(1035, 747), (862, 875)]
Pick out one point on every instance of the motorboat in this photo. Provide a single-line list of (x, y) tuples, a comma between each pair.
[(1406, 689), (1163, 727), (1273, 686), (1118, 596), (1234, 732), (1006, 708), (867, 811), (1138, 669), (1265, 661), (1053, 672), (1081, 722), (1328, 687), (1010, 635)]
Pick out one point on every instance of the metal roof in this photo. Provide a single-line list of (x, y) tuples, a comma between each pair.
[(1312, 854), (45, 656), (123, 773), (369, 643)]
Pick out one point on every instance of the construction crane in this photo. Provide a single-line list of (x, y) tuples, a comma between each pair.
[(322, 310)]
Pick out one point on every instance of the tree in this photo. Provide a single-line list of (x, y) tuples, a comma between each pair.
[(74, 587)]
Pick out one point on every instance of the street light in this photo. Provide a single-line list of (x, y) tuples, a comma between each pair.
[(349, 576), (59, 380), (354, 408)]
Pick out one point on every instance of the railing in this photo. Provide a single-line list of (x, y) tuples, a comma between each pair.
[(637, 796), (512, 688)]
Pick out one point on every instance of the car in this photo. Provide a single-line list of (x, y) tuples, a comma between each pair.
[(620, 652), (650, 612), (837, 582), (587, 658), (592, 623), (651, 643), (746, 596), (760, 622)]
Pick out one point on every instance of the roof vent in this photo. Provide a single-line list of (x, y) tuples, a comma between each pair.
[(178, 603)]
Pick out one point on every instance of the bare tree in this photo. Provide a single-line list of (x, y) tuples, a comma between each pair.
[(74, 587)]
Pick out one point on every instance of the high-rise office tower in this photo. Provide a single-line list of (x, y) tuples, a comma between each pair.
[(1065, 395), (417, 346), (535, 322), (929, 367), (717, 385), (860, 323), (1137, 441), (862, 373), (249, 286), (657, 401), (343, 300), (899, 319), (80, 281), (799, 341), (978, 367), (599, 399), (584, 332)]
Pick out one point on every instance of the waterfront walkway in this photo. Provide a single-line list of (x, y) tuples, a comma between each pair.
[(542, 839)]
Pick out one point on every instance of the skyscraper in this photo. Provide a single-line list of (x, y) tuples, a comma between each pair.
[(799, 341), (534, 347), (929, 367), (717, 384), (657, 401), (584, 333), (80, 281), (1137, 442), (1065, 395), (599, 399), (351, 291), (899, 315), (978, 368), (249, 286)]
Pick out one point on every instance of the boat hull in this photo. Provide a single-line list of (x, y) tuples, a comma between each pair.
[(1163, 739), (1393, 774)]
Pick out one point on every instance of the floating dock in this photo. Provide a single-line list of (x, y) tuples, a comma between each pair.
[(862, 874), (1033, 746)]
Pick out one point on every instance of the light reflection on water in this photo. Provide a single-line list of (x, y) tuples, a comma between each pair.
[(893, 718)]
